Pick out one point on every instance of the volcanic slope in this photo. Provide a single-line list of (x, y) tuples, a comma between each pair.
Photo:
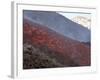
[(60, 24), (45, 48)]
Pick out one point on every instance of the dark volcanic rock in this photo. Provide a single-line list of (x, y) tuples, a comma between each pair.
[(50, 49), (34, 57)]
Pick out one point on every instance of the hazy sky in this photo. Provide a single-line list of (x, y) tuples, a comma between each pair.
[(72, 15)]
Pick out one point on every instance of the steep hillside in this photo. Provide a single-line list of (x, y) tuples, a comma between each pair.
[(51, 48), (59, 23)]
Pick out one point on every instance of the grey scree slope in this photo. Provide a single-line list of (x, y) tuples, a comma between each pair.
[(59, 23)]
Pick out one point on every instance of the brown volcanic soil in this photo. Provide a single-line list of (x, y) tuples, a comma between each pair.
[(45, 48)]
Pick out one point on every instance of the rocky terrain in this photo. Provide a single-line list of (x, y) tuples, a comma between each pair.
[(46, 48)]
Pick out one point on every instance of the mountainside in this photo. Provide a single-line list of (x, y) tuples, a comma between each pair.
[(59, 23), (45, 48)]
